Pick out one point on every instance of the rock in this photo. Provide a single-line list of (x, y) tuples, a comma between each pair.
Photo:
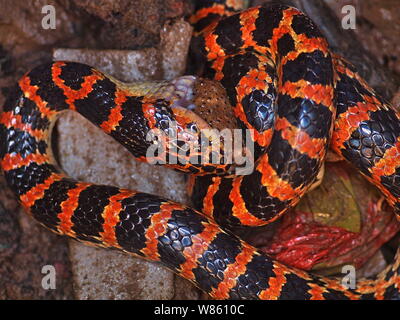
[(175, 39), (131, 24), (377, 28), (133, 65)]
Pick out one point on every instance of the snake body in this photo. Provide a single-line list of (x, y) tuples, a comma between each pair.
[(282, 82)]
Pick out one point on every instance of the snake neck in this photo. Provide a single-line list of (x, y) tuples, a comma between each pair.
[(127, 112)]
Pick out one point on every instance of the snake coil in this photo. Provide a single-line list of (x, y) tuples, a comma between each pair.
[(282, 82)]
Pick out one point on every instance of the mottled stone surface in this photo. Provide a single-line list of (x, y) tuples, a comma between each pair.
[(128, 23), (144, 64), (175, 38), (377, 27)]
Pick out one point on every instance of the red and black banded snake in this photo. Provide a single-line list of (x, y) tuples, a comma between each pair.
[(282, 82)]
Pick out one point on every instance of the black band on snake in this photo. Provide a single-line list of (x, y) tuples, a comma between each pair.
[(282, 83)]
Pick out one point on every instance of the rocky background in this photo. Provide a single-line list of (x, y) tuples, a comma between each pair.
[(135, 40)]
